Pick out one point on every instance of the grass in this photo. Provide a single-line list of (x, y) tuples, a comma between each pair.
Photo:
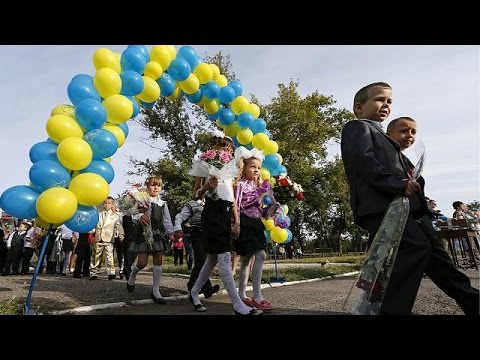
[(13, 306)]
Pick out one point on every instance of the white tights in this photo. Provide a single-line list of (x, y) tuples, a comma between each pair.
[(257, 271), (224, 269)]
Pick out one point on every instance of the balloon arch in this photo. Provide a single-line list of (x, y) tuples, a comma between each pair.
[(71, 172)]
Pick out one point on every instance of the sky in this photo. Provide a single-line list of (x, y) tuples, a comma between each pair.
[(438, 86)]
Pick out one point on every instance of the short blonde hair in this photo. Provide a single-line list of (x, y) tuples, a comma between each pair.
[(154, 180)]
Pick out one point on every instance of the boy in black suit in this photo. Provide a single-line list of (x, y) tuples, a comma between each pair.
[(377, 173)]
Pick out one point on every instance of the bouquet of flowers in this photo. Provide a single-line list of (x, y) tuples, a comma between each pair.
[(136, 201), (366, 295), (7, 222), (217, 163), (286, 189)]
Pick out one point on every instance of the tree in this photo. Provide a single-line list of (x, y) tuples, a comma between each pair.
[(302, 128)]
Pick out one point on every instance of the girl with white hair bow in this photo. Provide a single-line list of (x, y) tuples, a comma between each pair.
[(251, 241)]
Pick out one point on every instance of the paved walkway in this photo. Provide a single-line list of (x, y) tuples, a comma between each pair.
[(312, 297)]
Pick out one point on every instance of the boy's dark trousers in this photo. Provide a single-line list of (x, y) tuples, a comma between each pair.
[(422, 252), (198, 259), (82, 266)]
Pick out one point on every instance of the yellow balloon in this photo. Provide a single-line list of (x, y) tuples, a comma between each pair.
[(245, 136), (106, 58), (273, 181), (119, 109), (153, 70), (285, 209), (64, 109), (203, 101), (74, 153), (56, 205), (204, 73), (232, 129), (215, 69), (109, 159), (173, 51), (260, 141), (264, 174), (107, 82), (119, 57), (118, 132), (254, 110), (269, 223), (151, 90), (280, 158), (90, 189), (162, 54), (221, 80), (271, 148), (190, 85), (278, 234), (211, 107), (60, 127), (239, 105), (176, 94)]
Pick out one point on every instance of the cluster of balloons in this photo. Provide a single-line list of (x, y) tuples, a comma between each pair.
[(71, 170)]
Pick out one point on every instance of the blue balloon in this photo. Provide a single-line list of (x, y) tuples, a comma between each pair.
[(167, 85), (211, 90), (102, 168), (46, 174), (82, 89), (282, 170), (147, 105), (103, 143), (266, 200), (82, 77), (44, 150), (90, 114), (124, 128), (144, 50), (226, 117), (226, 95), (289, 237), (258, 126), (84, 219), (267, 236), (245, 120), (136, 106), (189, 54), (237, 87), (195, 97), (179, 69), (271, 162), (20, 202), (236, 143), (133, 59), (132, 83)]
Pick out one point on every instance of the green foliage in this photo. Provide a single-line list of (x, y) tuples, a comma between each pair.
[(474, 205), (13, 306)]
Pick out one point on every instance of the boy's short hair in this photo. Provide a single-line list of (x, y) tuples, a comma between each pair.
[(365, 93), (456, 204), (392, 123)]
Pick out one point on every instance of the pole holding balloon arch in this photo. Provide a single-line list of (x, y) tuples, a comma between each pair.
[(71, 170)]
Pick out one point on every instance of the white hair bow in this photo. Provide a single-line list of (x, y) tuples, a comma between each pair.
[(244, 153), (217, 133)]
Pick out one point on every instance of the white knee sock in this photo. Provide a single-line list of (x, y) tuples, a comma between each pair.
[(243, 279), (133, 274), (157, 274), (203, 276), (225, 272), (257, 275)]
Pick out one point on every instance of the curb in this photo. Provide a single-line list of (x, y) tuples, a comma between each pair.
[(89, 308)]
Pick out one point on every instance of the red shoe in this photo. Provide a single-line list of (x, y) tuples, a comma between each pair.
[(263, 305), (249, 302)]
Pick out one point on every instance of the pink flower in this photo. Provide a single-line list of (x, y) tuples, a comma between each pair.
[(225, 156), (208, 155)]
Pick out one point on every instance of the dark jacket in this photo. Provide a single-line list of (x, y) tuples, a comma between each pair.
[(377, 172)]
